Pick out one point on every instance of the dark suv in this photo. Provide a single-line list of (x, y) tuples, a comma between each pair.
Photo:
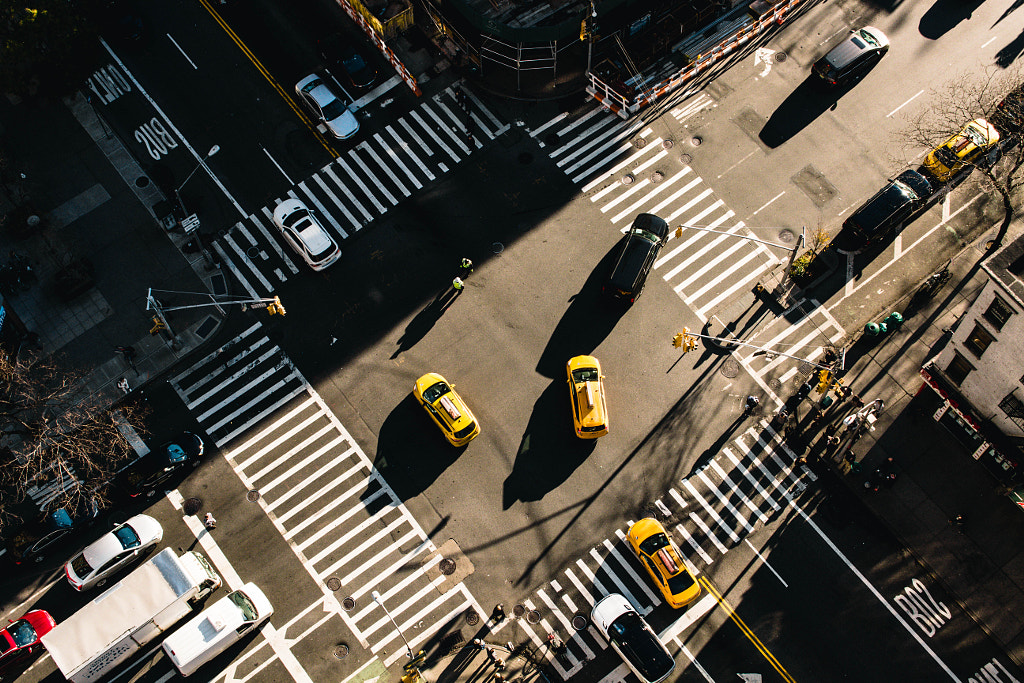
[(887, 211), (853, 58), (639, 251), (144, 475)]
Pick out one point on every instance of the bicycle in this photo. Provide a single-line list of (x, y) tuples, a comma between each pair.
[(937, 279)]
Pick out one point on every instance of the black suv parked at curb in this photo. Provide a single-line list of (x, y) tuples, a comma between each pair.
[(886, 212)]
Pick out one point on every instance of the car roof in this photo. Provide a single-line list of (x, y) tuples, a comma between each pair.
[(313, 236), (651, 223)]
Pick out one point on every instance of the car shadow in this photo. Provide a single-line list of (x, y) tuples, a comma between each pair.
[(807, 102), (549, 451), (411, 466), (585, 323), (944, 15)]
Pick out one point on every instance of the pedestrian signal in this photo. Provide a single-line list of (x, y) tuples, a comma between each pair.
[(158, 324), (691, 343), (677, 340), (823, 381), (276, 308)]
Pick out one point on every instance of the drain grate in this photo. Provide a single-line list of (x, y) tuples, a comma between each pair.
[(533, 617), (192, 506), (696, 140), (640, 143), (730, 368), (252, 496), (579, 621), (657, 177), (518, 611), (472, 617), (348, 604), (628, 179), (497, 247), (686, 158), (341, 651), (447, 566), (667, 143), (780, 56), (334, 583), (786, 236)]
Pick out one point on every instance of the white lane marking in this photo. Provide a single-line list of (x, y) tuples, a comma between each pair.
[(365, 146), (252, 266), (457, 139), (726, 503), (319, 207), (572, 126), (588, 654), (681, 530), (367, 216), (629, 568), (285, 420), (693, 660), (398, 160), (369, 174), (273, 240), (735, 490), (182, 51), (749, 477), (737, 164), (349, 173), (764, 561), (676, 497), (277, 165), (560, 117), (712, 513), (437, 138), (330, 487), (914, 97), (603, 563), (767, 203)]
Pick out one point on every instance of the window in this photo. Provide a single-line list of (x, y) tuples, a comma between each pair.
[(958, 369), (1014, 409), (998, 313), (979, 340)]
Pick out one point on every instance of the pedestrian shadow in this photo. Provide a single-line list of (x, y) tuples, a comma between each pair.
[(714, 449), (549, 451), (425, 320), (410, 467)]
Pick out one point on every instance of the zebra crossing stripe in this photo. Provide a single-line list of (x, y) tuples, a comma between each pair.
[(734, 490), (225, 259), (272, 240), (693, 544), (362, 165), (408, 150), (365, 146), (588, 654), (284, 420), (580, 588), (619, 144), (359, 181), (193, 404), (707, 532), (355, 532), (625, 195), (415, 116), (801, 343), (487, 112), (677, 498), (721, 274), (284, 457), (418, 573), (746, 473), (537, 131), (373, 560), (398, 160), (590, 627), (786, 469), (319, 207), (360, 487), (702, 475), (756, 460), (415, 136), (613, 551), (741, 282), (456, 120), (409, 625), (367, 216), (442, 126), (575, 663), (296, 467), (711, 512), (352, 220), (616, 580), (227, 401), (252, 267), (650, 196), (607, 175), (255, 419), (572, 126)]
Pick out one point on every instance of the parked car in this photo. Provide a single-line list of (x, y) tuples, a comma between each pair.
[(303, 233), (967, 148), (663, 561), (632, 638), (113, 551), (637, 255), (335, 50), (446, 408), (33, 541), (20, 640), (851, 59), (586, 396), (326, 108), (887, 211), (1009, 114), (147, 473)]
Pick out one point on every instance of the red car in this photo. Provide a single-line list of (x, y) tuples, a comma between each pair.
[(20, 640)]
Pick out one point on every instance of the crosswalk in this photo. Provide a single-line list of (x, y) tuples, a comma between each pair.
[(808, 338), (343, 521), (708, 513), (362, 185), (625, 168)]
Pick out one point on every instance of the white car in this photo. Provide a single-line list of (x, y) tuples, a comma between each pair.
[(632, 638), (219, 626), (325, 106), (305, 234), (114, 551)]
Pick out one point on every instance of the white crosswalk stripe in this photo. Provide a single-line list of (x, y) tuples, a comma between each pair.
[(723, 503), (361, 185), (806, 338), (343, 521)]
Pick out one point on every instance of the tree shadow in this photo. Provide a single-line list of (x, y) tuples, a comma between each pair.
[(944, 15), (549, 451), (811, 99), (411, 466), (424, 321), (585, 323)]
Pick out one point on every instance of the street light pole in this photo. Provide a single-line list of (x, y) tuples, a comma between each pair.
[(177, 191), (376, 598)]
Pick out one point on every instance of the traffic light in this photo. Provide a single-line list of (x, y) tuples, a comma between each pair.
[(691, 343), (677, 340), (158, 324), (823, 381), (276, 308)]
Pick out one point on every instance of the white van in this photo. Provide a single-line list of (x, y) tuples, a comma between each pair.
[(218, 627)]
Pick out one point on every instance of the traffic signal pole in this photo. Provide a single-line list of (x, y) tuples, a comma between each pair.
[(685, 338)]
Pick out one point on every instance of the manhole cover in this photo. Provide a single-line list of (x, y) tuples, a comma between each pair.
[(579, 622), (252, 253), (252, 496), (657, 177), (730, 368), (786, 236), (551, 139), (447, 566), (525, 158), (533, 617), (780, 56), (334, 583), (348, 604), (774, 384), (667, 144), (685, 158), (640, 143), (628, 179), (142, 181), (192, 506), (472, 618), (696, 140), (518, 611), (341, 651), (497, 247)]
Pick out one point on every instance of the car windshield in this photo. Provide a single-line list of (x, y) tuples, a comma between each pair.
[(867, 38), (585, 375), (647, 234), (653, 543), (81, 566), (175, 453), (465, 431), (22, 633), (435, 391), (244, 604), (976, 136), (127, 536), (334, 109), (680, 583), (639, 646)]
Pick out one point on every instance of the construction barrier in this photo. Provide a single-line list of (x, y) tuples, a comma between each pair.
[(355, 10)]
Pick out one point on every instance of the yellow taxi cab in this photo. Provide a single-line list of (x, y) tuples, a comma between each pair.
[(586, 389), (661, 558), (966, 147), (446, 408)]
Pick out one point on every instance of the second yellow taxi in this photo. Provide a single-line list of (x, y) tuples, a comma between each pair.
[(586, 391), (446, 408), (660, 556)]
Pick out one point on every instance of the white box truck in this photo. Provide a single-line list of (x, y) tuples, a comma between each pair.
[(129, 614), (217, 628)]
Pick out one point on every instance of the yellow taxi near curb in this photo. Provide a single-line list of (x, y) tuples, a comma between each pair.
[(660, 556), (586, 391), (446, 408), (968, 146)]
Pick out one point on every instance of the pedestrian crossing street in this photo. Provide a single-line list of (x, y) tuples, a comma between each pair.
[(362, 185), (708, 513), (343, 521), (626, 168)]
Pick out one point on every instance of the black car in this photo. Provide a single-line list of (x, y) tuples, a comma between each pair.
[(145, 475), (640, 249), (30, 542), (335, 50), (851, 59), (886, 212)]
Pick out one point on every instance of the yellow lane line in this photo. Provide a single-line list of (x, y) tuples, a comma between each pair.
[(746, 630), (270, 79)]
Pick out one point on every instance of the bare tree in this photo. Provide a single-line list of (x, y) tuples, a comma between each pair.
[(54, 433), (965, 98)]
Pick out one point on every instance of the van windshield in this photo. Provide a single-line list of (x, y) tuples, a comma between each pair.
[(244, 604), (868, 38)]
